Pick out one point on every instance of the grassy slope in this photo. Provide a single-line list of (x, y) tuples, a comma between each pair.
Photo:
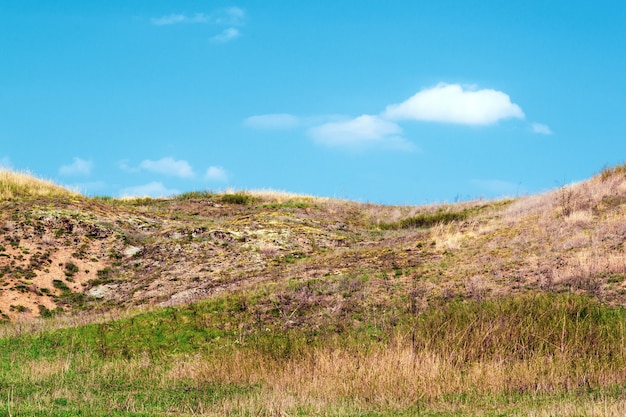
[(321, 307)]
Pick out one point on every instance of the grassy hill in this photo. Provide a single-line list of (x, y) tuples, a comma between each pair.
[(276, 304)]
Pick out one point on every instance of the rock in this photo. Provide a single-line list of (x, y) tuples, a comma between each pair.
[(132, 250), (102, 291)]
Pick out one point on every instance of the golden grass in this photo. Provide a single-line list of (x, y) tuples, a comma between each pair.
[(280, 196), (16, 184), (392, 378)]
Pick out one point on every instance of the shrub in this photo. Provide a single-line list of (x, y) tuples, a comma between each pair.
[(195, 195), (238, 198), (70, 269), (57, 283), (425, 220)]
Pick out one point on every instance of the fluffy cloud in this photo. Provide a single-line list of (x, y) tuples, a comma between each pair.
[(277, 121), (451, 103), (226, 36), (363, 131), (443, 103), (153, 189), (78, 167), (216, 174), (541, 129), (168, 166)]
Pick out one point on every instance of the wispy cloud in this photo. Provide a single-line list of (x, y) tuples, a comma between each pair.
[(153, 189), (174, 19), (361, 132), (124, 166), (230, 18), (278, 121), (168, 166), (5, 163), (226, 35), (78, 167), (216, 174), (541, 129), (453, 103)]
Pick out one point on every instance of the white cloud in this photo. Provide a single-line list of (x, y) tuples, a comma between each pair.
[(230, 16), (168, 166), (123, 165), (278, 121), (226, 35), (78, 167), (541, 129), (153, 189), (363, 131), (174, 19), (451, 103), (216, 174)]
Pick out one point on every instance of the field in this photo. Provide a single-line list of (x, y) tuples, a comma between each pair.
[(271, 304)]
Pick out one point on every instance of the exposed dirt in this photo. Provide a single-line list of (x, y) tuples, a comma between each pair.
[(75, 254)]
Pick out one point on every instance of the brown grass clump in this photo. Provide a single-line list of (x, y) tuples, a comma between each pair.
[(15, 184), (392, 378)]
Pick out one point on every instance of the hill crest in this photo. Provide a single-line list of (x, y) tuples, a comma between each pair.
[(63, 252)]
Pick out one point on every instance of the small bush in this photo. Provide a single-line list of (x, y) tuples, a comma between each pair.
[(104, 273), (426, 220), (57, 283), (70, 269), (45, 312), (195, 195), (19, 308), (238, 198)]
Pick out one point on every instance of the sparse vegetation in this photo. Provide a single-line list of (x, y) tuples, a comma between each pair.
[(275, 304)]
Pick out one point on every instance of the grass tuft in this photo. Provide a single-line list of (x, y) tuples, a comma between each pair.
[(237, 198), (426, 220), (613, 171)]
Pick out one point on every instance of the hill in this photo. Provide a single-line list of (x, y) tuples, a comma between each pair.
[(278, 304), (61, 251)]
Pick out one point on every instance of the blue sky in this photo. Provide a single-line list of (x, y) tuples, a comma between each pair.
[(404, 102)]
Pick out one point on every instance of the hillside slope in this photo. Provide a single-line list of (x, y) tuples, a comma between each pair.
[(61, 251)]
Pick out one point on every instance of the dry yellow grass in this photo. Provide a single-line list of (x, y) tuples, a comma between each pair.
[(390, 378), (16, 184)]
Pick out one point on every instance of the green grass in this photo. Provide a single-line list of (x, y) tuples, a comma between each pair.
[(237, 198), (124, 367), (426, 220)]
